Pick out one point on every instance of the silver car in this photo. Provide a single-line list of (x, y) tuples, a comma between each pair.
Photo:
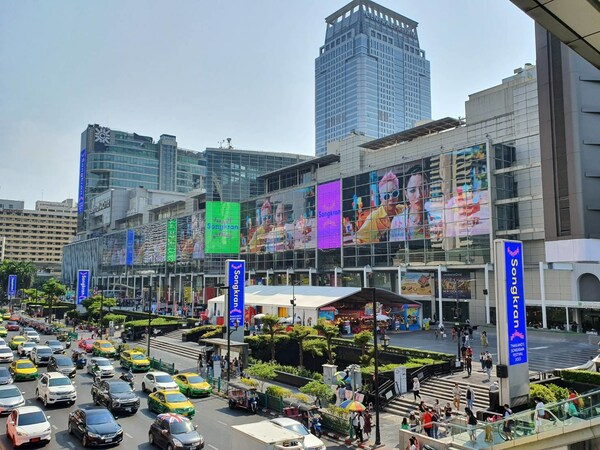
[(55, 345), (5, 376), (6, 355), (106, 368), (11, 397)]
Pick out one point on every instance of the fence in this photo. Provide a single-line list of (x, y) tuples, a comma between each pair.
[(163, 366)]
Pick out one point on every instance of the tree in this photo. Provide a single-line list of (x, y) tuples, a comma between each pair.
[(329, 331), (271, 326), (262, 371), (317, 389), (299, 333), (24, 270), (363, 339), (52, 289)]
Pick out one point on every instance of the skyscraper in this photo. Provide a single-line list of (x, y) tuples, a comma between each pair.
[(371, 76)]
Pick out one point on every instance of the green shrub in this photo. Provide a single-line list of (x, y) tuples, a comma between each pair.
[(317, 389), (301, 398), (580, 376), (155, 321), (116, 318), (542, 392), (278, 391), (559, 392), (200, 328), (249, 382)]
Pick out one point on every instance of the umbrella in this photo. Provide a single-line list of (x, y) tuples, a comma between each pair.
[(382, 317), (260, 316), (170, 417), (285, 320), (353, 405)]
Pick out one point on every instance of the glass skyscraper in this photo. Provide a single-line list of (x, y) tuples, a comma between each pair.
[(371, 76)]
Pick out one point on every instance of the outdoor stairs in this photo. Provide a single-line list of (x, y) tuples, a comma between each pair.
[(440, 389), (176, 334)]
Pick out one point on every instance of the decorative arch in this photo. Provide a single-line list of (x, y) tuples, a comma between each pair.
[(589, 288)]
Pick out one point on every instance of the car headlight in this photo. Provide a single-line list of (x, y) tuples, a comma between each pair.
[(116, 402), (47, 430), (21, 432), (177, 443), (93, 435)]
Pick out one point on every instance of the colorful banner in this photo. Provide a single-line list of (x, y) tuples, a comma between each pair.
[(515, 303), (12, 286), (417, 284), (130, 242), (329, 215), (456, 285), (222, 227), (171, 240), (235, 272), (82, 173), (83, 285)]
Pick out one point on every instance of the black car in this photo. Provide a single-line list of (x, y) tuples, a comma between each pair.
[(62, 364), (169, 428), (116, 395), (95, 426)]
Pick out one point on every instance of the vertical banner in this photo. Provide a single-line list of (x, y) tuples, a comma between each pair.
[(82, 173), (172, 240), (234, 278), (129, 247), (515, 303), (12, 286), (83, 285), (222, 227), (329, 216)]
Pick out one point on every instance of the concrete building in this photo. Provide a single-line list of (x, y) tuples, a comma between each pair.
[(38, 235)]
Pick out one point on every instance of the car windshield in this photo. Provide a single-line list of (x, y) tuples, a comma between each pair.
[(54, 343), (185, 426), (103, 362), (106, 345), (44, 351), (175, 398), (25, 365), (31, 418), (29, 344), (120, 388), (164, 379), (63, 361), (196, 379), (137, 356), (298, 428), (12, 392), (59, 382), (99, 417), (4, 372), (5, 350), (89, 342)]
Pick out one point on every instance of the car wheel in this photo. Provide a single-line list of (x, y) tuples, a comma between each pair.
[(143, 387), (154, 390), (70, 428), (169, 447), (46, 401), (150, 438), (85, 442)]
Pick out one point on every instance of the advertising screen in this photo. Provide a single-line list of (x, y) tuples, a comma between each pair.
[(329, 215), (82, 173), (222, 227), (172, 240), (515, 303), (190, 237), (456, 285), (279, 222), (114, 249), (151, 243)]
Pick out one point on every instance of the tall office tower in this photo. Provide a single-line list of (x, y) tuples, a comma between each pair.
[(371, 76)]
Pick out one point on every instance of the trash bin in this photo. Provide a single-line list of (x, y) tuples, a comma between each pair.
[(494, 397)]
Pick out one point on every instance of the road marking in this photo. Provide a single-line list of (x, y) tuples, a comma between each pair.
[(222, 423), (213, 447), (55, 427), (129, 436), (70, 444), (538, 348)]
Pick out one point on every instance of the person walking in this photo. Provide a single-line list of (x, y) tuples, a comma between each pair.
[(456, 394), (484, 340), (404, 425), (488, 366), (426, 419), (507, 425), (342, 392), (469, 364), (358, 423), (368, 423), (413, 422), (447, 412), (416, 388), (470, 396), (471, 424), (482, 361)]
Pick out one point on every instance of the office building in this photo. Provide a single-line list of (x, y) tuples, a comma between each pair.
[(371, 75)]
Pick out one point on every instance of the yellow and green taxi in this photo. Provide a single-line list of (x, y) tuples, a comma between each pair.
[(3, 331), (6, 316), (170, 400), (16, 341), (134, 360), (23, 369), (192, 384), (104, 348)]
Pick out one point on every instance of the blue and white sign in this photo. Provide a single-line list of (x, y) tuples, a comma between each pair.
[(515, 303), (82, 173), (83, 285), (129, 247), (235, 271), (12, 286)]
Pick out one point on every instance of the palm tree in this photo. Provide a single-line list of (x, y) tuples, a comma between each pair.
[(299, 333), (24, 270), (271, 326), (329, 331)]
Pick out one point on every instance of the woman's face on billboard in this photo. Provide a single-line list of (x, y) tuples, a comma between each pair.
[(415, 192), (280, 218)]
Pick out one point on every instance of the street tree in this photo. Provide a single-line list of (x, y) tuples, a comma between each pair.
[(362, 340), (271, 326), (317, 389), (24, 270), (329, 331), (52, 290), (299, 334)]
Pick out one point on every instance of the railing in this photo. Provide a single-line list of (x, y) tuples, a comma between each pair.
[(163, 366)]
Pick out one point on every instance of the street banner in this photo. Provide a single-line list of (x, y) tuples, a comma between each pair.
[(83, 285), (172, 240), (12, 286), (235, 276)]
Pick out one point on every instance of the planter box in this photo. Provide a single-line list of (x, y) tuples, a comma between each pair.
[(291, 380)]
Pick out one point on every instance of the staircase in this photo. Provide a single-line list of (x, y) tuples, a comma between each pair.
[(440, 389)]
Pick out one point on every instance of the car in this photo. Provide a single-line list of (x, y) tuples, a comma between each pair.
[(32, 336), (55, 345), (11, 397), (6, 316), (116, 395), (104, 348), (5, 376), (106, 368), (16, 341), (310, 440), (28, 424), (171, 431), (95, 426), (54, 387), (62, 364), (6, 355), (25, 348), (86, 344), (12, 326), (3, 342), (134, 360), (3, 331), (192, 384), (155, 381), (23, 369), (170, 400), (40, 354), (26, 329)]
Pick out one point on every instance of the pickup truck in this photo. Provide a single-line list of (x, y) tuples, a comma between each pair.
[(265, 436)]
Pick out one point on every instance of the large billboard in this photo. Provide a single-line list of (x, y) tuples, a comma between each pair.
[(222, 227), (83, 285), (190, 237), (235, 276), (82, 174), (151, 243), (279, 222), (172, 240), (114, 249), (329, 215), (515, 303)]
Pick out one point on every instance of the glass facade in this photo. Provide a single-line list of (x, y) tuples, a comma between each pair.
[(371, 76)]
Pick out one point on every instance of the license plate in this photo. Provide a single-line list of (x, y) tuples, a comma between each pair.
[(35, 439)]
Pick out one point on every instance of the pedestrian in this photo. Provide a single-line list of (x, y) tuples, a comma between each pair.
[(488, 366), (413, 444), (482, 361), (540, 413), (507, 425), (413, 422), (471, 424), (416, 388), (368, 423), (484, 340), (435, 419), (404, 425), (437, 408), (456, 394), (199, 362), (422, 407), (426, 419), (358, 423), (342, 392), (470, 396), (469, 365), (447, 412)]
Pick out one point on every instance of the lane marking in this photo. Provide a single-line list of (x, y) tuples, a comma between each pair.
[(55, 427), (222, 423), (70, 444), (213, 447), (538, 348), (129, 436)]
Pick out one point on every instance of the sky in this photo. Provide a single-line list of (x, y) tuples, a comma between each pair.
[(205, 71)]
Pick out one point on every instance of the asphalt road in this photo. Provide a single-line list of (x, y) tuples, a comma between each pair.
[(213, 416)]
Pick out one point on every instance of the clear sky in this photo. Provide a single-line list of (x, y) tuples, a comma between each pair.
[(205, 71)]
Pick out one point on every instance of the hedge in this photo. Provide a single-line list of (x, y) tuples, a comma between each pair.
[(580, 376), (409, 352), (278, 391), (542, 392), (155, 321)]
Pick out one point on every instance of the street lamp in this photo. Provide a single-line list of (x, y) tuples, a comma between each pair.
[(229, 330), (385, 341), (150, 312)]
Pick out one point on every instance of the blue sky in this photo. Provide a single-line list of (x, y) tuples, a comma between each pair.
[(204, 71)]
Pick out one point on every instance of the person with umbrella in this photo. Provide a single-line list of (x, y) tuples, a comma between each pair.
[(358, 422)]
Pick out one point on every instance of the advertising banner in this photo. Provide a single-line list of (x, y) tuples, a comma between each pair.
[(130, 243), (190, 237), (417, 284), (515, 303), (83, 285), (329, 215), (171, 240), (82, 169), (151, 243), (12, 286), (456, 285), (222, 227), (235, 278)]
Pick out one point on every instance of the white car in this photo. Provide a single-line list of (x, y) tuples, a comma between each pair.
[(3, 343), (155, 381), (310, 440), (32, 336), (40, 354), (6, 355), (26, 347), (106, 368), (28, 424), (54, 387), (11, 397)]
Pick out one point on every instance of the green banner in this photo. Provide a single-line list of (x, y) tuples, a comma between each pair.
[(172, 240), (222, 227)]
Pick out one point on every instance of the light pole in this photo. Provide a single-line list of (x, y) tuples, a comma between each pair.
[(101, 289), (150, 314), (229, 330), (376, 367)]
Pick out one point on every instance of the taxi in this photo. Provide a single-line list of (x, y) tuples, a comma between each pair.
[(16, 341), (3, 331), (170, 400), (6, 316), (23, 369), (104, 348), (192, 384), (134, 360)]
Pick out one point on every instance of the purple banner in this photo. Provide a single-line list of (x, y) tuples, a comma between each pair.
[(329, 223)]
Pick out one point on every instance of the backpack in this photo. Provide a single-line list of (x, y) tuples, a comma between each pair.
[(472, 420)]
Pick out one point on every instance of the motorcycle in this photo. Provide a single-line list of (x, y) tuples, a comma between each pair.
[(315, 425), (128, 377)]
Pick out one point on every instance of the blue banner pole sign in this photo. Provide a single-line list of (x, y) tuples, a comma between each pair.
[(83, 285), (515, 303), (235, 277), (129, 245), (12, 286)]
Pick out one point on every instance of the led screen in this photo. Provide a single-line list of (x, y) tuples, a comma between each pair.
[(329, 215), (222, 227)]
